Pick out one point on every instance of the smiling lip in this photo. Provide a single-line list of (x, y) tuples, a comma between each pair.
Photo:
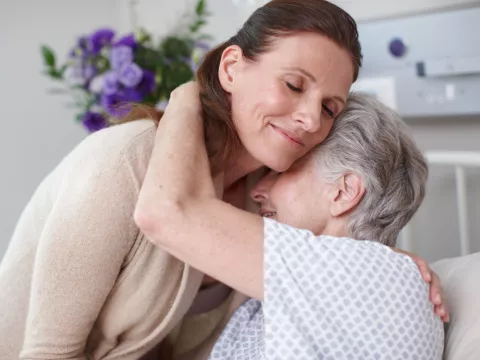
[(265, 211), (289, 135)]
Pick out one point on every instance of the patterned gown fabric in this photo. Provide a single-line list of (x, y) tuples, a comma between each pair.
[(330, 298)]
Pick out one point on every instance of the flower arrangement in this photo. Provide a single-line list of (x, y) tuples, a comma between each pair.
[(104, 72)]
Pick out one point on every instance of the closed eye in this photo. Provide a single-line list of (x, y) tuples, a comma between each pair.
[(293, 88), (328, 111), (299, 90)]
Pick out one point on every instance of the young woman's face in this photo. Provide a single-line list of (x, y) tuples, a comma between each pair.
[(284, 103), (298, 197)]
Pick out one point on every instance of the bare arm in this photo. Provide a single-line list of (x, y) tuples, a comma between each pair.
[(178, 209)]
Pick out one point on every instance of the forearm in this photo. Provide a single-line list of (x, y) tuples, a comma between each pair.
[(178, 209), (179, 153), (219, 240), (178, 169), (181, 214)]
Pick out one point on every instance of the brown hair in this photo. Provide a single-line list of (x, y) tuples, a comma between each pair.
[(268, 23)]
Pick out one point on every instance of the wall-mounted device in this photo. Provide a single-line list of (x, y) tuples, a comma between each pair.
[(424, 65)]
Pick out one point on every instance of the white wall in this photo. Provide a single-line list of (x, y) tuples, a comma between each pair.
[(363, 10), (37, 129), (435, 228), (161, 16)]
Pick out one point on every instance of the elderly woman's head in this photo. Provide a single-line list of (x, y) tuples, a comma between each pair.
[(365, 181), (275, 87)]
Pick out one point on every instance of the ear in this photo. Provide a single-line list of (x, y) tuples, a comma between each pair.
[(229, 64), (346, 194)]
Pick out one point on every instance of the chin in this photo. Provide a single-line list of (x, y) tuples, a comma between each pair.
[(278, 165)]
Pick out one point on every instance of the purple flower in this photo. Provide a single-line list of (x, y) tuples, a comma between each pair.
[(82, 49), (110, 83), (121, 56), (127, 40), (130, 75), (147, 85), (115, 104), (89, 71), (100, 38), (132, 95), (94, 121)]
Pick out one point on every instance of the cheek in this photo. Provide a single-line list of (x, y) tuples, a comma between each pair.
[(256, 102), (287, 197), (273, 100)]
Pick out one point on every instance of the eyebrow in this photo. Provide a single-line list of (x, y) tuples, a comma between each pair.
[(304, 72), (311, 77)]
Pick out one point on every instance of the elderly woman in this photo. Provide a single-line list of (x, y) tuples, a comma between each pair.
[(323, 295)]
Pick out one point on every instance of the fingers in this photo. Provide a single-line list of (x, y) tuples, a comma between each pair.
[(424, 268), (442, 312), (422, 264), (438, 298)]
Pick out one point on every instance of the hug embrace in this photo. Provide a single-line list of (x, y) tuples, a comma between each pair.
[(256, 218)]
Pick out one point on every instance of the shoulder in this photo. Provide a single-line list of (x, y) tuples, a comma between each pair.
[(281, 236), (115, 148), (297, 253), (120, 139)]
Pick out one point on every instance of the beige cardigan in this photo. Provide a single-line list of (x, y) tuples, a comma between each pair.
[(79, 281)]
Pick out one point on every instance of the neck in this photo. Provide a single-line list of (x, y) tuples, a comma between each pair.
[(336, 227), (241, 166)]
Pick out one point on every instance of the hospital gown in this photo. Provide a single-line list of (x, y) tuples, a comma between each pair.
[(330, 298)]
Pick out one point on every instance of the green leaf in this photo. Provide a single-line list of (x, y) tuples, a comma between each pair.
[(48, 56), (174, 47), (79, 117), (61, 71), (197, 25), (177, 74), (54, 74), (200, 8), (148, 58), (101, 63)]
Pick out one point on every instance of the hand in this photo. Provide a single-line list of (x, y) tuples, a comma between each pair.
[(437, 296), (185, 98)]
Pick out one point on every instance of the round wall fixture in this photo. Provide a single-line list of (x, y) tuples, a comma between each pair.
[(397, 48)]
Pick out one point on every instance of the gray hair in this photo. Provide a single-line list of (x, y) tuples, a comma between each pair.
[(370, 140)]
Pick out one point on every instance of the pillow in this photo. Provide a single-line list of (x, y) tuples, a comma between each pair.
[(461, 283)]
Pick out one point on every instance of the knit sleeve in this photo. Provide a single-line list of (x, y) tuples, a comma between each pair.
[(87, 235)]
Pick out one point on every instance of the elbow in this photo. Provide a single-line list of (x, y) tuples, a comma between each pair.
[(156, 220), (144, 218)]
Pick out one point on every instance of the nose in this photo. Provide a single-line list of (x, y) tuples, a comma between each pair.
[(309, 116), (261, 190)]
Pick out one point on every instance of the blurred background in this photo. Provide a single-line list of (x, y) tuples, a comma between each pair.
[(422, 57)]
